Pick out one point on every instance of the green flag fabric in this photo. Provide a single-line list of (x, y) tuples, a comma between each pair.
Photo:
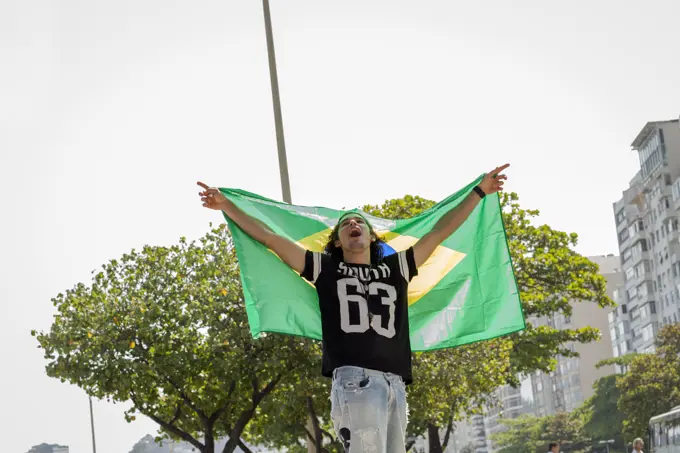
[(465, 292)]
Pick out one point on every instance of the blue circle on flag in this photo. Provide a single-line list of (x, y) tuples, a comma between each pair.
[(386, 249)]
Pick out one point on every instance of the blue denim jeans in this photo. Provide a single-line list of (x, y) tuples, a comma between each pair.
[(369, 411)]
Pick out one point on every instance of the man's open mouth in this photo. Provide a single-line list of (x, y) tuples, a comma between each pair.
[(355, 233)]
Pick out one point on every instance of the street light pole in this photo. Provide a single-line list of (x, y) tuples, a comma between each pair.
[(94, 444), (280, 139), (278, 118)]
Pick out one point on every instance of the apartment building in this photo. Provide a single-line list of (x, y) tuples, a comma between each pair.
[(648, 234)]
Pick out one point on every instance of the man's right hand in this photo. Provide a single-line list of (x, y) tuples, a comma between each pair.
[(212, 198), (290, 252)]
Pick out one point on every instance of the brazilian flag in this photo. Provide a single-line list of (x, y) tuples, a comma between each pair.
[(465, 292)]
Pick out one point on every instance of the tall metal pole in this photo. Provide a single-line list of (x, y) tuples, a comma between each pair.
[(278, 119), (94, 444), (280, 140)]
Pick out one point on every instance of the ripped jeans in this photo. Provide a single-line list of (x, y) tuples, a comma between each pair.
[(369, 411)]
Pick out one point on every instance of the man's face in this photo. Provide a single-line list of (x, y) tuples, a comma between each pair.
[(353, 234), (639, 445), (555, 449)]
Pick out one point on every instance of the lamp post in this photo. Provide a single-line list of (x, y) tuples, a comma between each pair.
[(278, 117), (94, 444)]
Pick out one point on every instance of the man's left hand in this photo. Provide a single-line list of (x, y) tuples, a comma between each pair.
[(494, 180)]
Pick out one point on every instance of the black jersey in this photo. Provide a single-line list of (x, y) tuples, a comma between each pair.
[(364, 312)]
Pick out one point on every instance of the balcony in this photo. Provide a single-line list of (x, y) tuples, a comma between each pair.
[(639, 256), (673, 236), (664, 214)]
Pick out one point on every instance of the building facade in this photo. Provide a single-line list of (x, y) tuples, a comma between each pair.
[(648, 234), (571, 383), (567, 387)]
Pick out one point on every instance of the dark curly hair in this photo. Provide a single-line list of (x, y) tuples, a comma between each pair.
[(336, 252)]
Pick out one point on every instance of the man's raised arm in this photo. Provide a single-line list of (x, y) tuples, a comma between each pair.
[(452, 220), (291, 253)]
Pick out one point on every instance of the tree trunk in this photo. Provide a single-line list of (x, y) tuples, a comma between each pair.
[(318, 436), (209, 439), (237, 430), (311, 445), (435, 445)]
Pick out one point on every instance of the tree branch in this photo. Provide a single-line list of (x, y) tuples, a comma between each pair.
[(168, 427), (178, 412), (265, 391), (449, 428), (256, 390), (309, 434), (213, 418), (243, 446), (329, 435), (181, 392)]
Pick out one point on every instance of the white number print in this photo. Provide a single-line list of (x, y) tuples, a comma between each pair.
[(389, 301), (345, 325), (376, 323)]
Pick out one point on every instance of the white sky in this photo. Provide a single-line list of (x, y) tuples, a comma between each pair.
[(110, 111)]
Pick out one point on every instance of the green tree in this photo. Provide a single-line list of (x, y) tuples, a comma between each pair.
[(520, 436), (285, 418), (451, 382), (651, 385), (602, 419), (166, 329), (529, 434), (550, 276)]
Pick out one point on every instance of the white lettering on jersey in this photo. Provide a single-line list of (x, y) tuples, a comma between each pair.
[(365, 274), (376, 323)]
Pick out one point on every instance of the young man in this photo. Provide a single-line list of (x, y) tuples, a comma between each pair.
[(364, 314)]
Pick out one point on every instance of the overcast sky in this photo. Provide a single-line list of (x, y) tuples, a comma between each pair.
[(110, 112)]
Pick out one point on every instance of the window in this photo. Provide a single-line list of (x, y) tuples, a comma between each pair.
[(644, 312), (624, 348), (623, 236), (630, 273), (626, 255), (620, 216), (642, 268), (639, 248), (624, 309)]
